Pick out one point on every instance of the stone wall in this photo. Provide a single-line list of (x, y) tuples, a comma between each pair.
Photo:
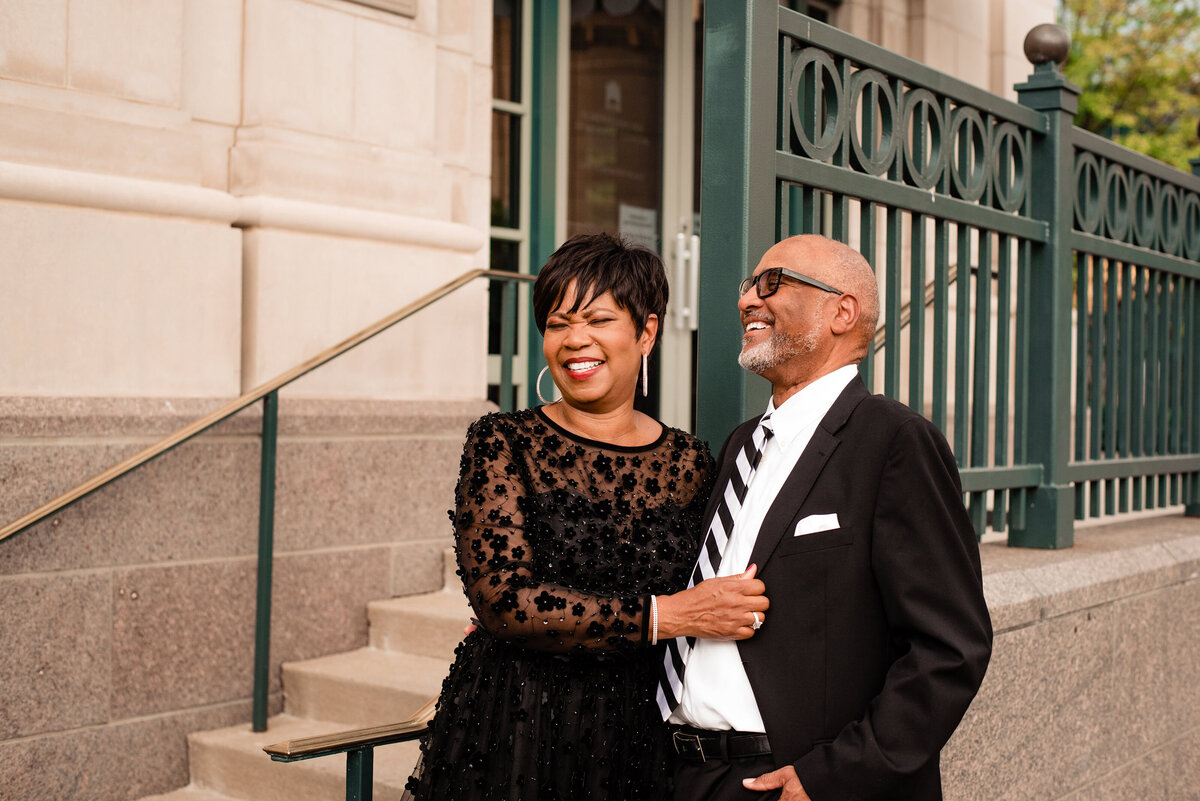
[(978, 41), (195, 195), (1093, 692), (128, 619)]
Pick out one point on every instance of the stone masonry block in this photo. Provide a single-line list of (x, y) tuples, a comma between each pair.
[(308, 417), (164, 511), (1183, 766), (33, 41), (109, 763), (1139, 779), (480, 116), (454, 109), (343, 466), (360, 492), (392, 99), (118, 418), (128, 48), (54, 663), (1105, 576), (319, 602), (125, 305), (1047, 685), (1012, 600), (481, 31), (455, 22), (212, 60), (419, 566), (299, 67), (362, 175), (183, 636), (305, 292), (1157, 694), (130, 142)]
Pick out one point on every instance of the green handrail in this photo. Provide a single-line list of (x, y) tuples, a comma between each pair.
[(359, 747), (268, 393)]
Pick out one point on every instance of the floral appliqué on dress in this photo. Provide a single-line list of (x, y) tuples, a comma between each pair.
[(560, 541)]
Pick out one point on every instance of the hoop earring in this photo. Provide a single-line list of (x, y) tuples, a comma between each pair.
[(538, 386), (645, 375)]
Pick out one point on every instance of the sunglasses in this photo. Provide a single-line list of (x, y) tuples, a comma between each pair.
[(767, 282)]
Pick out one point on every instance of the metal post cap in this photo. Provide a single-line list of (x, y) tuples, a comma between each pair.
[(1047, 42)]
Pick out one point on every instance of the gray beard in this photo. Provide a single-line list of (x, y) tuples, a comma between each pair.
[(776, 350)]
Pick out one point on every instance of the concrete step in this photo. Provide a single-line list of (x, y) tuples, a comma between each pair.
[(231, 762), (428, 625), (189, 793), (367, 687), (450, 580), (412, 642)]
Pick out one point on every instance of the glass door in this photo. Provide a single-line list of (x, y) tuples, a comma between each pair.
[(631, 156)]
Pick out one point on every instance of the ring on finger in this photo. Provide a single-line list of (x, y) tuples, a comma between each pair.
[(757, 624)]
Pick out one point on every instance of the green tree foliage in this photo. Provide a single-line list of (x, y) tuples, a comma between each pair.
[(1138, 63)]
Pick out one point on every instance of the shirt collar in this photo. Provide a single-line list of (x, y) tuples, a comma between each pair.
[(806, 408)]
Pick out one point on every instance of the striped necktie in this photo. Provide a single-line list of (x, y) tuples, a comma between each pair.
[(670, 679)]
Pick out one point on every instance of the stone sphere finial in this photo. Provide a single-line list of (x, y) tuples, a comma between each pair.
[(1047, 42)]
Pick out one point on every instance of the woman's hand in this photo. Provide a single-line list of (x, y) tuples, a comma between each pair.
[(724, 608)]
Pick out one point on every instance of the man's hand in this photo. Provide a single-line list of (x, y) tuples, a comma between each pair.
[(786, 778)]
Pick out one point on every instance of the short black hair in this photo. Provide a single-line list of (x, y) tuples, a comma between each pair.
[(599, 263)]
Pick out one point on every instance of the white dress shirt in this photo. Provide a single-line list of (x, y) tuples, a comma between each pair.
[(716, 693)]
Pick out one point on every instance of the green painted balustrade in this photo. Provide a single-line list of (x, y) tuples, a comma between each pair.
[(1038, 283)]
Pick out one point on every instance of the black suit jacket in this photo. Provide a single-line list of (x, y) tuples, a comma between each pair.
[(878, 636)]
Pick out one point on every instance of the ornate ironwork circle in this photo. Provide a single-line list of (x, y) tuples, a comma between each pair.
[(1087, 193), (822, 146), (877, 162), (1190, 219), (1170, 232), (1145, 211), (931, 111), (968, 137), (1116, 201), (1014, 166)]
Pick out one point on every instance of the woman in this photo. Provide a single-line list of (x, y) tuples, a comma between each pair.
[(570, 519)]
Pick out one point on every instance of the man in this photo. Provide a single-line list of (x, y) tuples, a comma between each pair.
[(877, 635)]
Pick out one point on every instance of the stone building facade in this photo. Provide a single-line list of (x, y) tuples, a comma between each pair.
[(196, 195)]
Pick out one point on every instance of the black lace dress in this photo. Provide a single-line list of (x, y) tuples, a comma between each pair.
[(561, 540)]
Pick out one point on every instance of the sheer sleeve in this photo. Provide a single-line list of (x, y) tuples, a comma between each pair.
[(495, 561)]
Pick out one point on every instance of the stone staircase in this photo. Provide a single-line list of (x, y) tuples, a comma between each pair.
[(412, 641)]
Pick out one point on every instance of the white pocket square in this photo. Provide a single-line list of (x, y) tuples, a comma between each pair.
[(814, 523)]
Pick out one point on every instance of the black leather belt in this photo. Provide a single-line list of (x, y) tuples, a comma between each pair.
[(701, 745)]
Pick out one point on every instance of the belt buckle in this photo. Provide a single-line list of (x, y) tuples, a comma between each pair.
[(688, 744)]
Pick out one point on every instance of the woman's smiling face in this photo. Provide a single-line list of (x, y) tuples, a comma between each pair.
[(595, 352)]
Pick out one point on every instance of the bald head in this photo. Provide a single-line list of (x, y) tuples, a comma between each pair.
[(841, 267)]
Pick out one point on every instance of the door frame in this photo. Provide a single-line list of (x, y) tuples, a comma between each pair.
[(679, 229)]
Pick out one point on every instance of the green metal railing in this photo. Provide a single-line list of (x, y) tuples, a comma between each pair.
[(931, 177), (268, 393), (1136, 245), (359, 747)]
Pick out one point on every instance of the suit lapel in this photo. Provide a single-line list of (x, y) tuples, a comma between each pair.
[(804, 475), (792, 495)]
